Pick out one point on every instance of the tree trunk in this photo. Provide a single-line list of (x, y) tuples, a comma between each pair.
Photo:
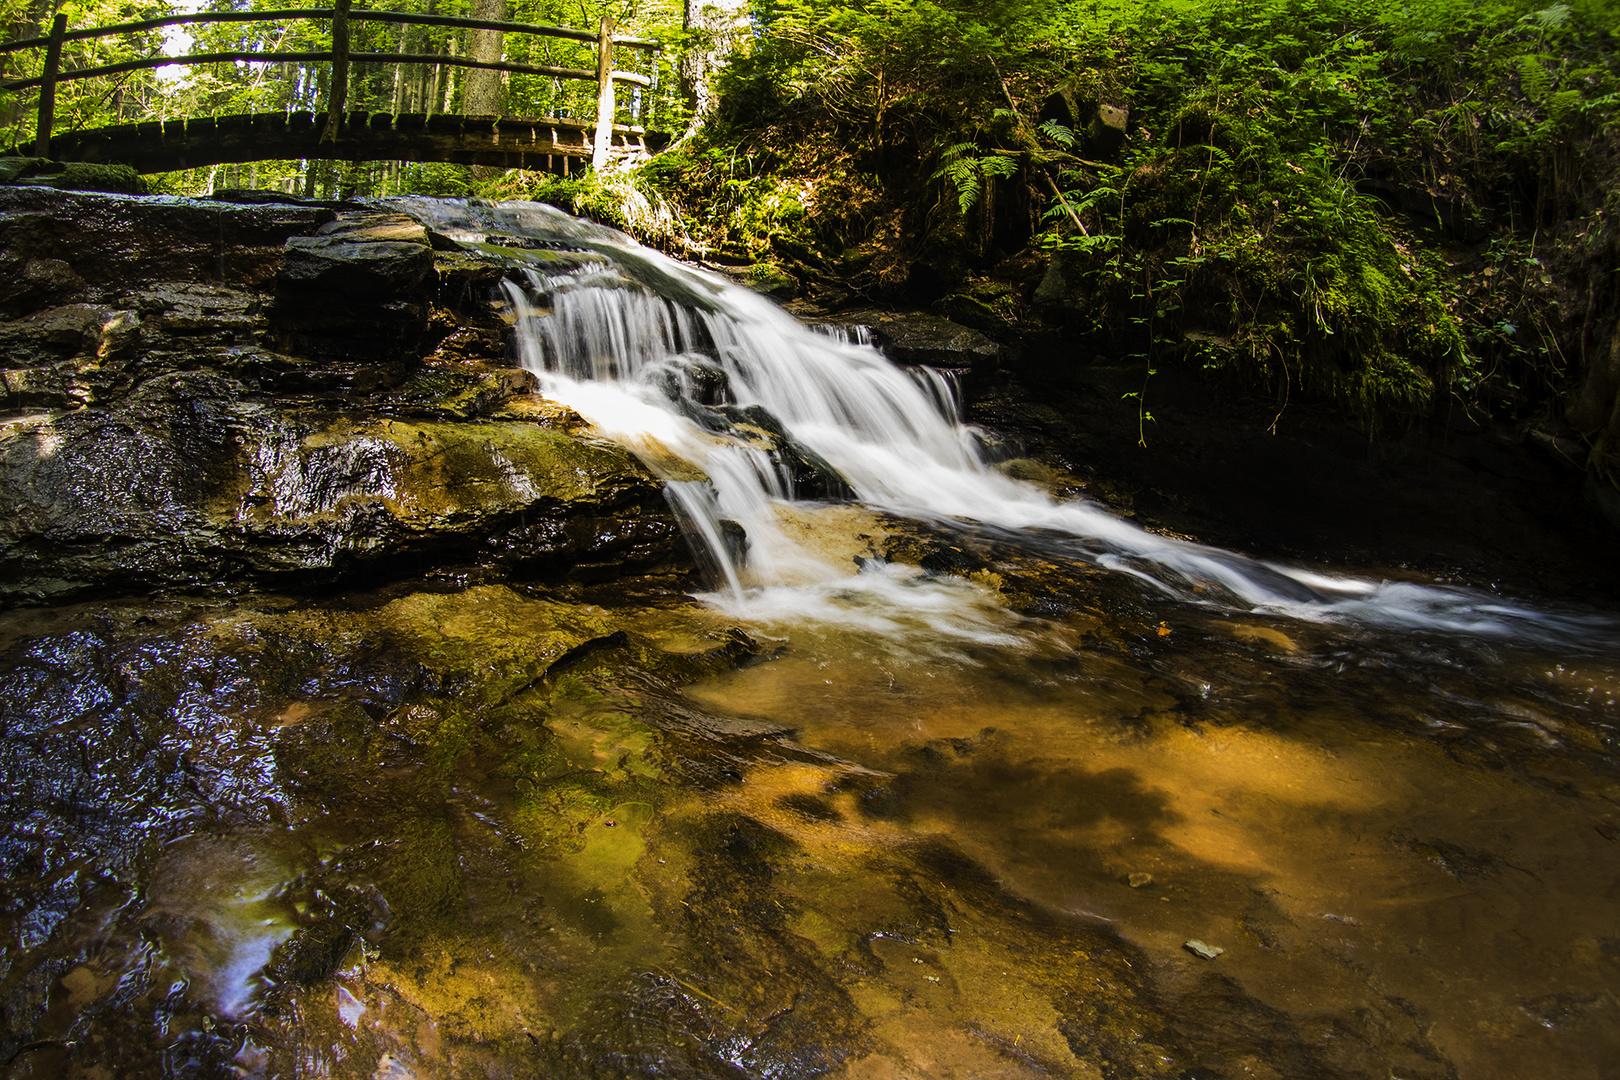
[(483, 94), (718, 28)]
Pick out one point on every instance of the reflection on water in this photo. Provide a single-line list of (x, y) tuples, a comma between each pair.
[(1330, 843), (216, 910), (930, 836)]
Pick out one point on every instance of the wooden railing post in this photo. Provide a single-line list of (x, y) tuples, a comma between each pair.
[(604, 95), (47, 88), (338, 99)]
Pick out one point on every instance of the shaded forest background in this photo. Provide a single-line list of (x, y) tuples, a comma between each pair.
[(1396, 211)]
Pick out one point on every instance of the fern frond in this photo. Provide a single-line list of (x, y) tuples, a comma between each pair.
[(1058, 133)]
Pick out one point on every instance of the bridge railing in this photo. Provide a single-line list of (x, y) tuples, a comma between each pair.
[(339, 56)]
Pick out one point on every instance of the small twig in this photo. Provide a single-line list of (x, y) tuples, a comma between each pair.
[(698, 992)]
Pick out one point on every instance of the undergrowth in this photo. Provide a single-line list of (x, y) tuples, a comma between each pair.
[(1334, 200)]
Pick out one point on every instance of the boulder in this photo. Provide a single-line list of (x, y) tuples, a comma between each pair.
[(369, 256), (808, 475), (928, 339), (185, 483)]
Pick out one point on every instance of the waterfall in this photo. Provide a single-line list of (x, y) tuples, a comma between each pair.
[(747, 415)]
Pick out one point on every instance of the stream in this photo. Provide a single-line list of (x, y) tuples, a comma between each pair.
[(941, 776)]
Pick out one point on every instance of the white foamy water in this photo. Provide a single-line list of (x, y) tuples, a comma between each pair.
[(676, 364)]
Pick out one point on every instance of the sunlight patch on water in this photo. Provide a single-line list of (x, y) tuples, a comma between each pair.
[(216, 904)]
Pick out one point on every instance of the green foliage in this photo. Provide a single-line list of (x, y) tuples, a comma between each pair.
[(737, 199), (966, 170), (1235, 233)]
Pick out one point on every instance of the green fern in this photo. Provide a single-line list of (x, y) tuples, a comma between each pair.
[(1058, 133), (1533, 78), (965, 170)]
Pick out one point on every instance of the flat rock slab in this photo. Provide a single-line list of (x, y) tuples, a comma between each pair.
[(362, 256)]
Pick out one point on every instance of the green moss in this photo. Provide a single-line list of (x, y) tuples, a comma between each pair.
[(83, 176), (420, 879), (768, 278)]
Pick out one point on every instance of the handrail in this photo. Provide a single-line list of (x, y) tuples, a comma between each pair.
[(399, 17), (339, 56)]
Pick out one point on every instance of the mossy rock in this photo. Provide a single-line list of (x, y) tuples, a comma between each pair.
[(83, 176), (72, 176), (771, 280)]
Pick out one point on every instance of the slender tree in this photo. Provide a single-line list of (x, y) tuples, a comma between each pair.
[(483, 95)]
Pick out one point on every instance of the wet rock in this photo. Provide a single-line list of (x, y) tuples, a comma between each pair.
[(1201, 950), (360, 257), (697, 381), (735, 540), (930, 340), (806, 473), (1139, 880), (185, 449), (46, 387), (949, 559), (115, 240), (184, 483), (458, 392), (190, 309), (358, 289), (38, 283)]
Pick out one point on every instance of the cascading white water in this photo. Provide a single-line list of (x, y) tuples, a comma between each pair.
[(646, 349)]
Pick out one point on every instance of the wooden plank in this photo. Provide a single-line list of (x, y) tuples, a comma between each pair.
[(505, 142)]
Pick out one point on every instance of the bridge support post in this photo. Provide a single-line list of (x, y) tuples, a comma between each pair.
[(603, 141), (47, 88), (338, 99)]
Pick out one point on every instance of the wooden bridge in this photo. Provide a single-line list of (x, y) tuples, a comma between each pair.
[(548, 143)]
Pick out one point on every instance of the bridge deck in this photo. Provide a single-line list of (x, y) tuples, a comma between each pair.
[(548, 145)]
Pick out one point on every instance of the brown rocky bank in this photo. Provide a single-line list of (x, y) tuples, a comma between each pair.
[(216, 392)]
